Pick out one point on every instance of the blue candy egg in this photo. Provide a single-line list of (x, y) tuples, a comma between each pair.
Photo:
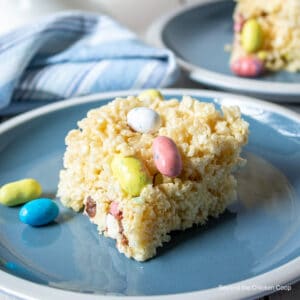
[(39, 212)]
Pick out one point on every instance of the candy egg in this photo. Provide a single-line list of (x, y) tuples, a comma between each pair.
[(39, 212), (131, 174), (166, 156), (251, 36), (239, 23), (143, 119), (114, 210), (248, 66), (237, 27), (18, 192), (151, 94), (262, 55)]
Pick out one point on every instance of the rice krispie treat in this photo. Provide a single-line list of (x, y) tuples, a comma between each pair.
[(266, 37), (143, 166)]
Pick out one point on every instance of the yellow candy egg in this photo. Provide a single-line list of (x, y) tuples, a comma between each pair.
[(18, 192), (252, 36), (130, 173), (262, 55), (151, 94)]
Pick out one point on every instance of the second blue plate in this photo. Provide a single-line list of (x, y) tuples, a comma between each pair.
[(198, 34)]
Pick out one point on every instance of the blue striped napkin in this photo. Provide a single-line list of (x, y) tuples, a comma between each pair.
[(75, 53)]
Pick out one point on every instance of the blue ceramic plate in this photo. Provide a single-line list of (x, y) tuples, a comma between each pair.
[(198, 34), (256, 242)]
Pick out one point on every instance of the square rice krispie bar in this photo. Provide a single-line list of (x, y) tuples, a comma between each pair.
[(118, 169)]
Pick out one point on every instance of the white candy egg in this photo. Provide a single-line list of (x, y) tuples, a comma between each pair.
[(143, 119)]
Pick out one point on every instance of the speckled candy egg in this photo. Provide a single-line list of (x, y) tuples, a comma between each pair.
[(166, 155), (143, 119), (131, 174), (248, 66)]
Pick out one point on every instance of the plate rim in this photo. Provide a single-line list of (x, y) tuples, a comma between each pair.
[(287, 273), (215, 79)]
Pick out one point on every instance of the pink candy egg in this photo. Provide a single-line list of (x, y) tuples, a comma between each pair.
[(237, 27), (248, 66), (167, 158), (239, 23), (114, 210)]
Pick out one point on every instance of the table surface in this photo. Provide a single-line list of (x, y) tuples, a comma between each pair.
[(122, 11)]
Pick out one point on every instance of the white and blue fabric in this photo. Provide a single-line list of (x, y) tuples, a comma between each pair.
[(72, 54)]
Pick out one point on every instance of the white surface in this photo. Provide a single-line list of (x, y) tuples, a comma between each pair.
[(136, 14), (281, 276), (15, 13)]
